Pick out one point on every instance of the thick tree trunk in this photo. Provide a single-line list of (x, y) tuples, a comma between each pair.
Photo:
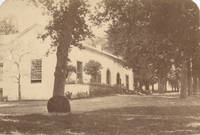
[(183, 91), (165, 85), (140, 84), (146, 85), (161, 85), (60, 71), (189, 78), (59, 103), (59, 82)]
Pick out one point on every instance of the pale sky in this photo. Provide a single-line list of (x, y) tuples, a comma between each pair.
[(197, 2), (1, 1)]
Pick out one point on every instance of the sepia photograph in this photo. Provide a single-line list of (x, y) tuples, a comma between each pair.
[(99, 67)]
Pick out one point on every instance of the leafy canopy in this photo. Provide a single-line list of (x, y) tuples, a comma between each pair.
[(164, 32), (92, 68)]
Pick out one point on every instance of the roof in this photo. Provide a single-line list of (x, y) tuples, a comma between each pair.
[(103, 52), (8, 40)]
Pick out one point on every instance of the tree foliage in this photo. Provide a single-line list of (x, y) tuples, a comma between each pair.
[(164, 32), (92, 68), (7, 27)]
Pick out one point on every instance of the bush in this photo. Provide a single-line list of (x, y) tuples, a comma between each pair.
[(101, 90), (120, 89), (82, 95), (68, 95)]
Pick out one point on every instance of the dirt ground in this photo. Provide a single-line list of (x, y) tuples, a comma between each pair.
[(113, 115)]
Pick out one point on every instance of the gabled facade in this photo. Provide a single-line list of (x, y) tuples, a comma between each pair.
[(25, 55)]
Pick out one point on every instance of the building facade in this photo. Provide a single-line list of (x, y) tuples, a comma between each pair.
[(27, 72)]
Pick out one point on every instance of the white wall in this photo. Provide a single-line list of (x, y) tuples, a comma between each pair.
[(37, 50), (107, 62)]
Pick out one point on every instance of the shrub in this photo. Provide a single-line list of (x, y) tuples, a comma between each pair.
[(82, 95), (68, 95), (120, 89), (101, 90)]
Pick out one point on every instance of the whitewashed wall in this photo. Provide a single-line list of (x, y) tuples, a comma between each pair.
[(107, 62)]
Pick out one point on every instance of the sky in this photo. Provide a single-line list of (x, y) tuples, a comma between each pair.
[(1, 1), (197, 2)]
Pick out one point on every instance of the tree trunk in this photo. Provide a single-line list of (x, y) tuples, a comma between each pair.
[(146, 85), (140, 84), (189, 78), (60, 71), (161, 84), (194, 84), (59, 103), (153, 87), (165, 85), (19, 87), (183, 91), (198, 85)]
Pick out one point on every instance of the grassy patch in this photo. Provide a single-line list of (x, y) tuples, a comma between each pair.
[(149, 120)]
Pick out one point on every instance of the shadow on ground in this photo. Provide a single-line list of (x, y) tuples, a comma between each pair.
[(151, 120)]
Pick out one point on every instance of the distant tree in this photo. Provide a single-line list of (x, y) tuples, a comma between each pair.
[(93, 68), (7, 27), (157, 29), (16, 57), (173, 78)]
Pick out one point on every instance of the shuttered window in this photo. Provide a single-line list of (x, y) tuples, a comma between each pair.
[(36, 71)]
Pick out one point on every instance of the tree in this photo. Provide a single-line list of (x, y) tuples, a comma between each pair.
[(174, 78), (159, 30), (181, 29), (15, 55), (7, 27), (93, 68), (67, 28)]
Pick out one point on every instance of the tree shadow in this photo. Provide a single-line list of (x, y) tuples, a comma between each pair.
[(132, 120)]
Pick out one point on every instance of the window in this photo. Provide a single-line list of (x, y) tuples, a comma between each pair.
[(118, 79), (1, 71), (36, 71), (108, 77), (99, 77), (79, 72), (127, 81)]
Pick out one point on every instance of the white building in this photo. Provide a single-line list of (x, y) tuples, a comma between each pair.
[(24, 53)]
